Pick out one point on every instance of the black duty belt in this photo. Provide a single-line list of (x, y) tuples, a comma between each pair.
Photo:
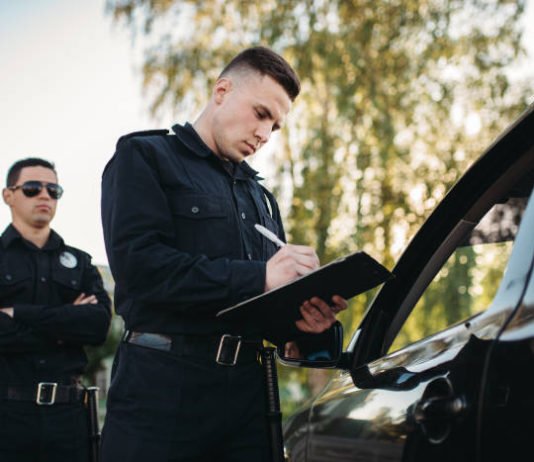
[(44, 393), (226, 350)]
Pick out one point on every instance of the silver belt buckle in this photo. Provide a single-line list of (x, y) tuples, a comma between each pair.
[(42, 386), (228, 341)]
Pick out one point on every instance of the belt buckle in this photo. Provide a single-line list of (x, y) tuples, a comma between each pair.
[(41, 390), (228, 341)]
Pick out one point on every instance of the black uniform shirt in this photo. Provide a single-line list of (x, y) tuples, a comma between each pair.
[(178, 224), (44, 339), (245, 207)]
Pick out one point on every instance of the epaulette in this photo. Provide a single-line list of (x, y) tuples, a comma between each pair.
[(162, 131)]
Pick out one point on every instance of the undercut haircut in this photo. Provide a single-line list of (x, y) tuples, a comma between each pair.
[(266, 62), (13, 173)]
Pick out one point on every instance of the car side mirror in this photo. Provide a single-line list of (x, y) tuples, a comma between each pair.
[(314, 350)]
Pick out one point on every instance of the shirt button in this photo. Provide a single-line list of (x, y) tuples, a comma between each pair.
[(195, 209), (8, 277), (43, 279), (243, 215), (73, 282)]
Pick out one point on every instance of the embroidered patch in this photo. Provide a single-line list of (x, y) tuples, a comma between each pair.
[(68, 260)]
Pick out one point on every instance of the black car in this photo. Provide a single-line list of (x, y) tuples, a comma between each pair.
[(441, 367)]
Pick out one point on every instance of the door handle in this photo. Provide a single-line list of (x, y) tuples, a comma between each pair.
[(439, 409)]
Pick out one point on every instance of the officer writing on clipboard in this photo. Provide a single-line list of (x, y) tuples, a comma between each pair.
[(178, 212), (52, 303)]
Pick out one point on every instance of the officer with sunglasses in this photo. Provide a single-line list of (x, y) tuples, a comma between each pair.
[(52, 303)]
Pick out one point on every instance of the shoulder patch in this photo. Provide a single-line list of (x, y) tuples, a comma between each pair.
[(79, 255), (159, 132), (68, 259)]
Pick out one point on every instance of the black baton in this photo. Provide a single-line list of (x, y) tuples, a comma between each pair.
[(274, 416), (91, 403)]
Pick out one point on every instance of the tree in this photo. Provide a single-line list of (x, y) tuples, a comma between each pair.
[(399, 97), (97, 355)]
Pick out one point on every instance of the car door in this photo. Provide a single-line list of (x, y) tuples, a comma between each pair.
[(506, 401), (441, 365)]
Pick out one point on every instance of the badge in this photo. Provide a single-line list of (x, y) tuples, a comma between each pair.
[(68, 260)]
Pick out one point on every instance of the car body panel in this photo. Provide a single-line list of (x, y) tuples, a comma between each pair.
[(465, 393)]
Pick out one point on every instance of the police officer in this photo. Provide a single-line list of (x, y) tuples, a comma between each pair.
[(178, 214), (52, 302)]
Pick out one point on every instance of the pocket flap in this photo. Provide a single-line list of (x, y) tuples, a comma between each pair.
[(68, 278), (196, 206), (8, 277)]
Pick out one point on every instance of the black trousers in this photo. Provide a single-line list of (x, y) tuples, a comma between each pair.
[(32, 433), (162, 407)]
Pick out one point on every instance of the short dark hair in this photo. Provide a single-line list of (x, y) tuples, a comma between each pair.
[(13, 173), (267, 62)]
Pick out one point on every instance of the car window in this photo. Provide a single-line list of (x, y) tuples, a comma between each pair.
[(466, 284)]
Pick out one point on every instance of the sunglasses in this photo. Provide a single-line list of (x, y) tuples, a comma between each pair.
[(33, 188)]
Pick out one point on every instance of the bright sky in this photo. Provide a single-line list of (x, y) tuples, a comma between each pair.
[(69, 88)]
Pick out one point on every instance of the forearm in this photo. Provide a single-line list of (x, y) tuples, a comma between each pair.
[(18, 338), (74, 324), (183, 281)]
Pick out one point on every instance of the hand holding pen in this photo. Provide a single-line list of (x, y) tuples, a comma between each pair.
[(291, 262)]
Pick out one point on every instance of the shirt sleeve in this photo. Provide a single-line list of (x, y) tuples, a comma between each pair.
[(73, 324), (18, 338), (140, 242)]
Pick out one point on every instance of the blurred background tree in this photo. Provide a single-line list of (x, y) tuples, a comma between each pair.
[(398, 98), (100, 357)]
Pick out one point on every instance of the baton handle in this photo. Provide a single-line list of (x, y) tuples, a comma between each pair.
[(274, 416), (91, 395)]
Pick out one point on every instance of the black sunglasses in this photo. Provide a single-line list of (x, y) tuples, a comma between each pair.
[(33, 188)]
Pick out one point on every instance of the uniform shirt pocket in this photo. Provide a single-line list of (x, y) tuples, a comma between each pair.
[(68, 283), (203, 225), (15, 286)]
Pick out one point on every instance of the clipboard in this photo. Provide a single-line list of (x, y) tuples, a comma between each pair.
[(346, 276)]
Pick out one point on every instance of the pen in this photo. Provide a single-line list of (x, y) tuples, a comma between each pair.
[(269, 235)]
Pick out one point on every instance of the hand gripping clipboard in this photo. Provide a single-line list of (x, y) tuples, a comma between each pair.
[(347, 276)]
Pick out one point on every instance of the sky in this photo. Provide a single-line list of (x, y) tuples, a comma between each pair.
[(70, 86), (68, 90)]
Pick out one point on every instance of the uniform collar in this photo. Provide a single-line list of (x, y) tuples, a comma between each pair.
[(11, 235), (188, 136)]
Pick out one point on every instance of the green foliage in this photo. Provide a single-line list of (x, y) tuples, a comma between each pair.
[(398, 98), (466, 285), (97, 355)]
